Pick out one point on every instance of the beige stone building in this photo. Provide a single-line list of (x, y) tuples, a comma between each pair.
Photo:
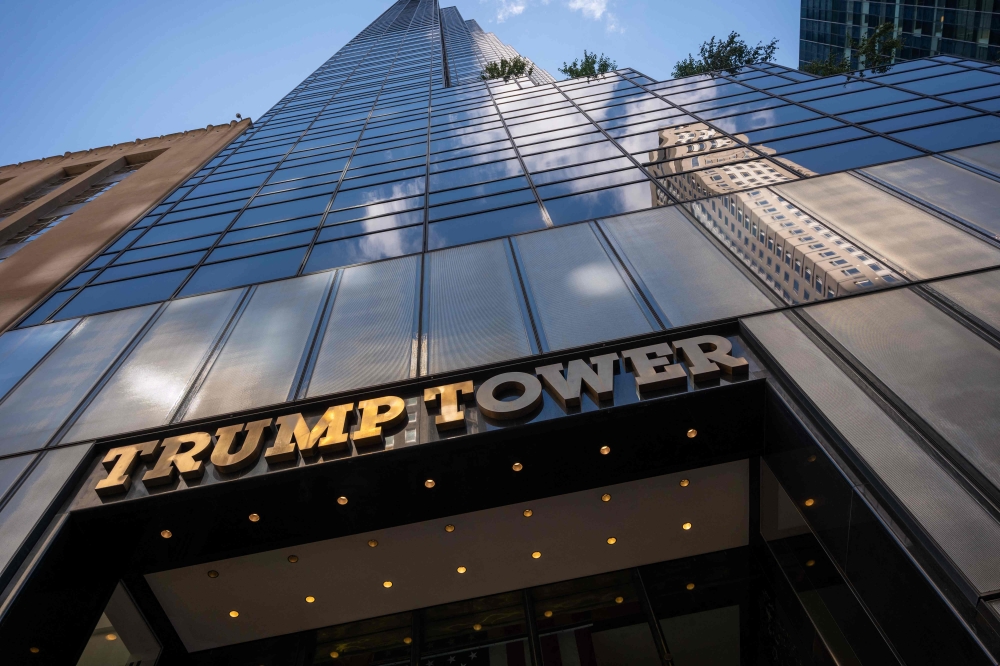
[(57, 213)]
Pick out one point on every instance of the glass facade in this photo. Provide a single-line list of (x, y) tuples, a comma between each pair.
[(958, 29), (395, 223)]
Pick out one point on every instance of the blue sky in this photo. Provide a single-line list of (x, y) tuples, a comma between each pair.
[(78, 75)]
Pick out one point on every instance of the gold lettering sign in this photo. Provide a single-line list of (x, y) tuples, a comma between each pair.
[(653, 367), (451, 415)]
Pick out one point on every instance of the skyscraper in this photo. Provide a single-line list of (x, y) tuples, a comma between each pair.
[(964, 30), (426, 369)]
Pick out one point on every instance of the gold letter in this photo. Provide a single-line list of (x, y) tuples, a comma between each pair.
[(372, 421), (701, 351), (491, 406), (190, 463), (120, 462), (646, 360), (247, 454), (600, 384), (293, 426), (451, 416)]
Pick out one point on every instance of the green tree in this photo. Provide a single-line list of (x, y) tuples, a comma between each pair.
[(875, 52), (725, 55), (507, 69), (591, 66)]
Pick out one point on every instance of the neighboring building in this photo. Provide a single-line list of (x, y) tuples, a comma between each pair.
[(419, 369), (958, 29), (46, 205)]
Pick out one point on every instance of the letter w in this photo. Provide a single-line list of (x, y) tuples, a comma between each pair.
[(566, 389)]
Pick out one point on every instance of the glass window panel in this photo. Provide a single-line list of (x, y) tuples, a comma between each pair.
[(343, 230), (601, 203), (229, 185), (282, 211), (958, 134), (477, 174), (123, 294), (383, 156), (148, 387), (373, 210), (925, 118), (548, 125), (47, 308), (586, 183), (35, 410), (486, 152), (260, 359), (875, 97), (580, 171), (33, 497), (947, 187), (310, 169), (20, 350), (10, 469), (361, 249), (301, 184), (977, 294), (369, 341), (370, 195), (569, 156), (464, 332), (954, 385), (162, 233), (760, 136), (240, 272), (165, 249), (759, 105), (687, 275), (227, 201), (850, 155), (577, 140), (974, 94), (891, 110), (478, 190), (579, 294), (984, 157), (711, 93), (152, 266), (759, 119), (484, 226), (294, 193), (355, 178), (951, 82), (259, 246), (920, 244), (814, 139), (480, 204), (266, 230)]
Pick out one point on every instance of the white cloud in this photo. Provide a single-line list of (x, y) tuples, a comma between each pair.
[(597, 10), (508, 8)]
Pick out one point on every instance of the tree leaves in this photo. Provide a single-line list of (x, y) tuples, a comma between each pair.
[(591, 66), (728, 55), (507, 69)]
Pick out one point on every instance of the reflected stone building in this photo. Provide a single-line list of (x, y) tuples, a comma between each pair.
[(422, 369)]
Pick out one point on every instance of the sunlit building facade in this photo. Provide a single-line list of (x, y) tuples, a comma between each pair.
[(423, 369)]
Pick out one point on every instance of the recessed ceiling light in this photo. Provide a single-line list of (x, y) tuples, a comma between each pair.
[(33, 650), (461, 570), (334, 654), (612, 541), (110, 637), (605, 450), (310, 599), (233, 613), (692, 433), (212, 573), (685, 483), (477, 626), (407, 640), (689, 586), (449, 528), (686, 526), (810, 563), (528, 513), (809, 502), (372, 543), (606, 497), (536, 554), (811, 458), (341, 500), (387, 584), (619, 600), (254, 517), (517, 467), (166, 534), (429, 483), (293, 558), (547, 613)]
